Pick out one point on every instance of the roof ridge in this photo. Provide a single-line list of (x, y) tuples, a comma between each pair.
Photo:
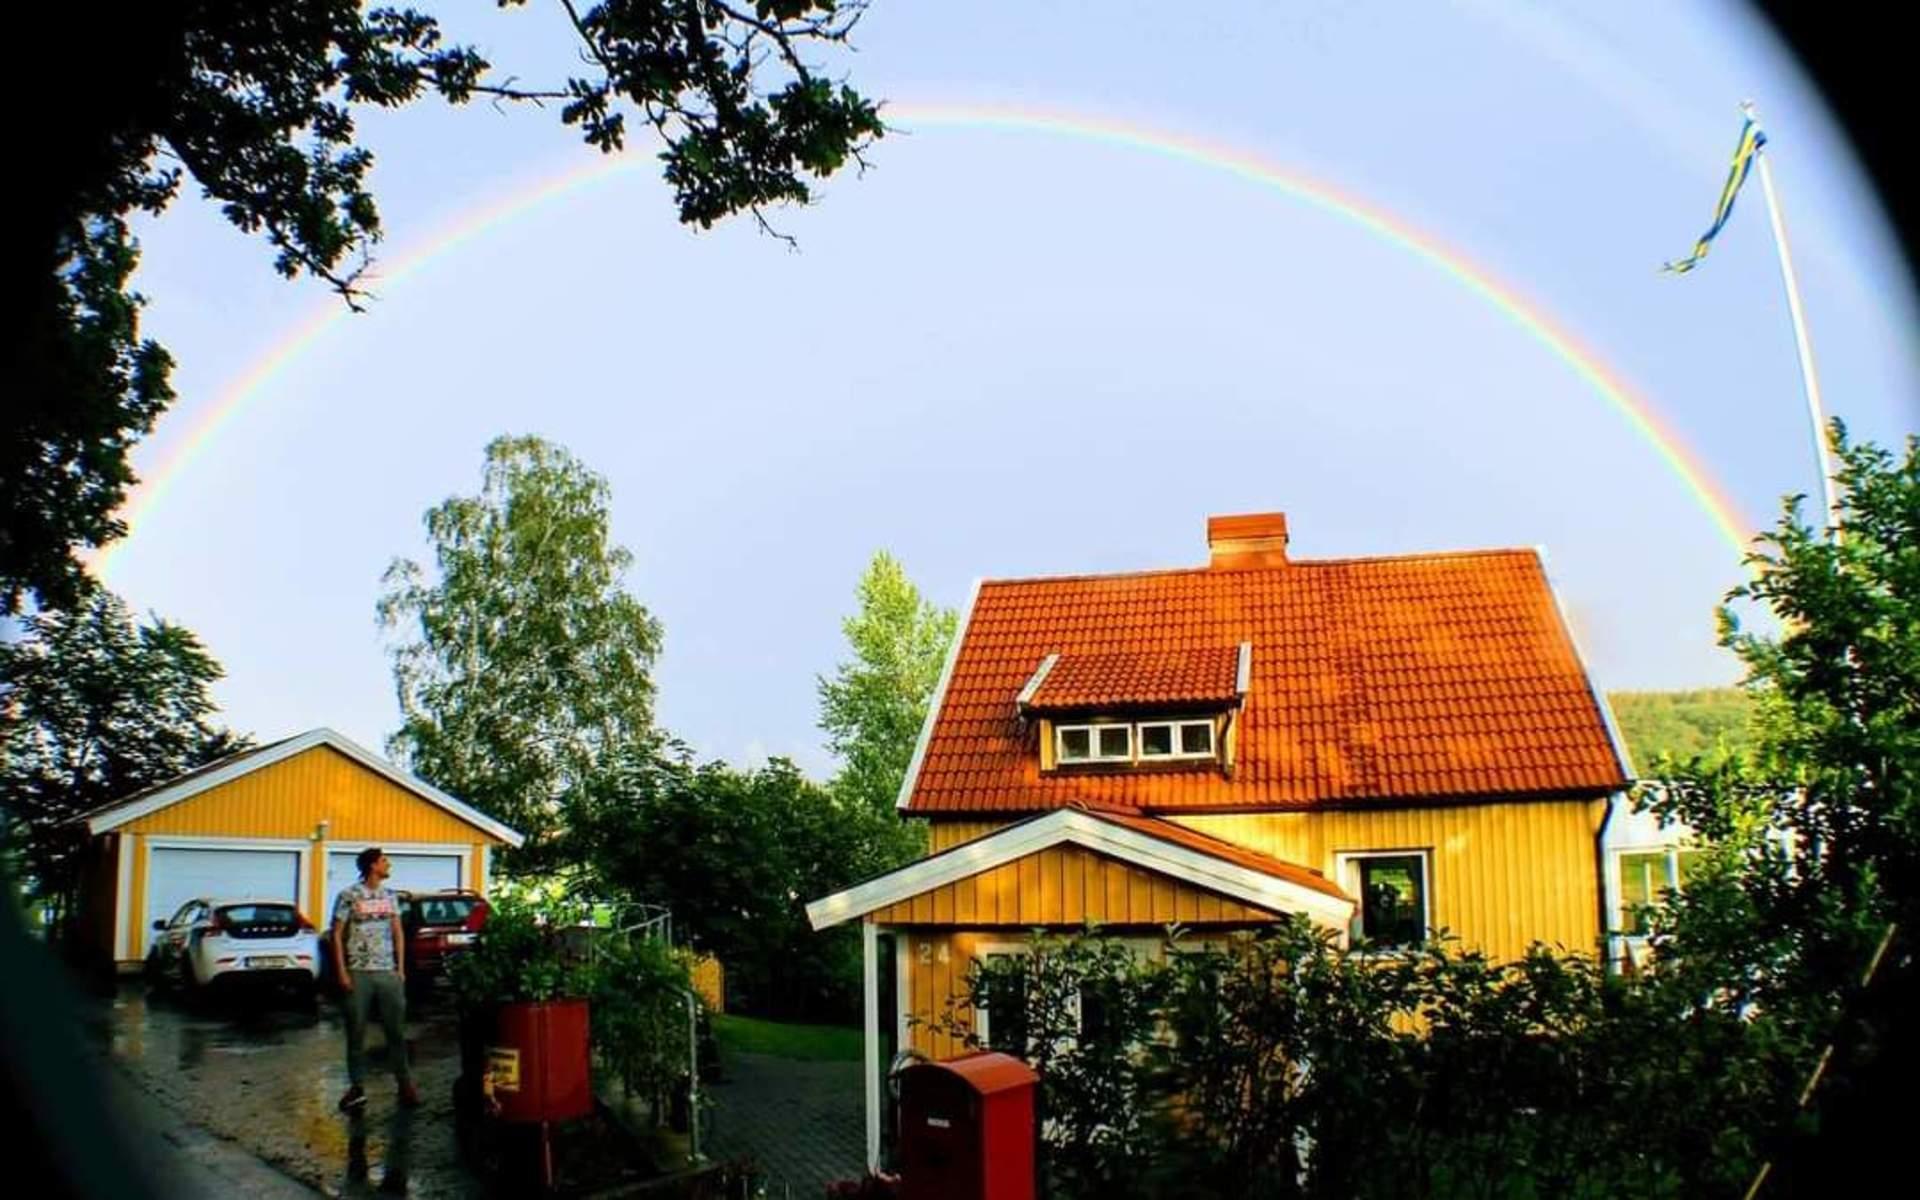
[(1291, 565)]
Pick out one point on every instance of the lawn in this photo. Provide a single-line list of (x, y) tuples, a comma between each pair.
[(812, 1043)]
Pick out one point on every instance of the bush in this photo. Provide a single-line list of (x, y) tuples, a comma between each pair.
[(1281, 1064)]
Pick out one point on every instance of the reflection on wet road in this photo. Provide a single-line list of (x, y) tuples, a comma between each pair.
[(269, 1078)]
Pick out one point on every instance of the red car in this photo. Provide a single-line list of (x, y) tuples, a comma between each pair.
[(439, 925)]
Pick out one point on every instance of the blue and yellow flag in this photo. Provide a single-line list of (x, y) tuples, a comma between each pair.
[(1752, 137)]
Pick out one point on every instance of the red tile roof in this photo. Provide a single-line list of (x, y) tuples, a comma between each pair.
[(1424, 677), (1203, 676)]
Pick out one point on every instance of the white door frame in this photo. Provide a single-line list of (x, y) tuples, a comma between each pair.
[(303, 872)]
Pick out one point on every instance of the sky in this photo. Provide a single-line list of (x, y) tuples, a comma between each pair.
[(1012, 350)]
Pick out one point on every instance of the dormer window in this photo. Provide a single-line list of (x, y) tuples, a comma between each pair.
[(1161, 708), (1176, 739), (1094, 743), (1142, 742)]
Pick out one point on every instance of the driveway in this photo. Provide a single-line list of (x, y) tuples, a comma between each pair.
[(803, 1122), (267, 1082)]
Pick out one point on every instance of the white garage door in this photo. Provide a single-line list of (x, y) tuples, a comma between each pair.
[(176, 875), (411, 873)]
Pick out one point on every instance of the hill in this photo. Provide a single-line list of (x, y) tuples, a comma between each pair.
[(1704, 721)]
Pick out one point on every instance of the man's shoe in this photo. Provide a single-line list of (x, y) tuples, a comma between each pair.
[(354, 1100), (409, 1095)]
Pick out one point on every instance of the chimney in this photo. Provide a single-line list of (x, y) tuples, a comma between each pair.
[(1247, 542)]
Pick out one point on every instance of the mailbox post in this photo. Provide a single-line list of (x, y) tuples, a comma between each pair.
[(967, 1129)]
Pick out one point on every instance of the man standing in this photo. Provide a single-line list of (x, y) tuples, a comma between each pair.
[(369, 961)]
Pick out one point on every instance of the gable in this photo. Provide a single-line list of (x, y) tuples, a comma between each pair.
[(290, 798), (288, 788), (1067, 885)]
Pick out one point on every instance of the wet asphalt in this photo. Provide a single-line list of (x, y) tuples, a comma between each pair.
[(266, 1074)]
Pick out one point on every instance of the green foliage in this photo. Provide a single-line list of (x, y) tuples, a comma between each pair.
[(1281, 1065), (736, 855), (1816, 832), (257, 103), (523, 664), (550, 949), (97, 707), (1715, 723), (873, 707)]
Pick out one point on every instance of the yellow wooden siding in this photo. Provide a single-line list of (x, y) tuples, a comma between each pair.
[(287, 801), (944, 835), (1066, 885), (1504, 875), (936, 972), (290, 798)]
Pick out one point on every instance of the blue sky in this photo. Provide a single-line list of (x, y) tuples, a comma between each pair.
[(1013, 353)]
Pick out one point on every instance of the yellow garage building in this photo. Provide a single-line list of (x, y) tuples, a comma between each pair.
[(282, 821)]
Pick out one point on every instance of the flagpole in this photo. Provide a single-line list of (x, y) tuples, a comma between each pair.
[(1810, 383)]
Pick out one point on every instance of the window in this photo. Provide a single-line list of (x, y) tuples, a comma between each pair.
[(1176, 739), (1391, 888), (1148, 741), (1646, 876), (1094, 743)]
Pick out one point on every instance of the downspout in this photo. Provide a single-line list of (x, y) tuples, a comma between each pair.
[(1600, 879)]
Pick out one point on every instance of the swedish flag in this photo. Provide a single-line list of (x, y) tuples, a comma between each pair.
[(1752, 137)]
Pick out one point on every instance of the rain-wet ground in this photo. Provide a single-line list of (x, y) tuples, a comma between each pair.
[(268, 1077)]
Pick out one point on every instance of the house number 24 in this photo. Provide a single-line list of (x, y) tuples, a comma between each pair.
[(928, 951)]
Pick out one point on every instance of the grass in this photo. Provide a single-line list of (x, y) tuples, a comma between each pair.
[(809, 1043)]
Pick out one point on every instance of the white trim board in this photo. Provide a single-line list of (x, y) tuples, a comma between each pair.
[(938, 701), (246, 764), (1089, 832)]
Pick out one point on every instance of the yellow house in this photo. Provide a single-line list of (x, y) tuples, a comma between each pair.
[(281, 821), (1388, 746)]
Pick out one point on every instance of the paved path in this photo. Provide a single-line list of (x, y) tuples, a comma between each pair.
[(800, 1121)]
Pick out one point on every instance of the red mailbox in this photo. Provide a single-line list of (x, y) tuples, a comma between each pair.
[(966, 1129)]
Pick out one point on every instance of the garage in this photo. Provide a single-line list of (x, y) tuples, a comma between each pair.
[(412, 872), (177, 874), (281, 821)]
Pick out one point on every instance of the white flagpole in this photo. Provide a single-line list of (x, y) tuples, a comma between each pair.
[(1810, 383)]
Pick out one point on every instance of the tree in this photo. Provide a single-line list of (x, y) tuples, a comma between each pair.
[(255, 101), (873, 707), (94, 707), (1813, 883), (522, 665), (736, 855)]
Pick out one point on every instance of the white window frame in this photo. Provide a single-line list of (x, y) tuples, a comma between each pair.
[(1135, 740), (1347, 870), (1145, 949), (1093, 743), (1670, 851), (1176, 727)]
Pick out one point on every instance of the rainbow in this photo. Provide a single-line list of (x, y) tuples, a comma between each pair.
[(197, 441)]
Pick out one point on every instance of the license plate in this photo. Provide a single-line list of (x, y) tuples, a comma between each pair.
[(263, 962), (460, 939)]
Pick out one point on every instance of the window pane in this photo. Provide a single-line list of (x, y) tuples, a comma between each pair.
[(1156, 741), (1196, 737), (1116, 741), (1643, 877), (1076, 743), (1393, 900)]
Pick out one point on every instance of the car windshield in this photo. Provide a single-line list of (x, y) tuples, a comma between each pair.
[(260, 914), (442, 910)]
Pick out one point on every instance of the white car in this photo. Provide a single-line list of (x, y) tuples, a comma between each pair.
[(255, 941)]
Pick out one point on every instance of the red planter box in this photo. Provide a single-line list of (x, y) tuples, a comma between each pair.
[(540, 1061)]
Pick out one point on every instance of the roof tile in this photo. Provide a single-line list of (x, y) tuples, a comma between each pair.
[(1441, 676)]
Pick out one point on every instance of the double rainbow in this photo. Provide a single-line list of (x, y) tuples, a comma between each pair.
[(475, 222)]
